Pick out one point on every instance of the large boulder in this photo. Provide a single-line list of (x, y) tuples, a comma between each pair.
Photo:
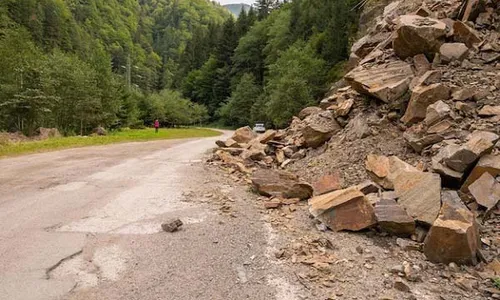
[(385, 170), (416, 35), (489, 111), (306, 112), (421, 98), (419, 194), (464, 34), (487, 164), (393, 218), (453, 51), (486, 191), (46, 133), (436, 112), (267, 136), (460, 158), (244, 135), (454, 236), (328, 183), (280, 184), (319, 128), (387, 82), (366, 44), (100, 131), (343, 210)]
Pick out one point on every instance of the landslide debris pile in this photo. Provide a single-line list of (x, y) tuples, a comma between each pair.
[(408, 143)]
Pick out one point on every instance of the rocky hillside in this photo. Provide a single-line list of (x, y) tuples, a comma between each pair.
[(407, 144)]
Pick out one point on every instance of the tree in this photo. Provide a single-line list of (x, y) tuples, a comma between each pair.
[(295, 81), (237, 110)]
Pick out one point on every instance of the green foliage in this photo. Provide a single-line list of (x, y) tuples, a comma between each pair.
[(296, 80), (496, 282), (237, 110)]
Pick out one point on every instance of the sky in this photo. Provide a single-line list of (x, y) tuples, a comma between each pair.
[(236, 1)]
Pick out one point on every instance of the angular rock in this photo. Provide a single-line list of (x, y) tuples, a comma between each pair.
[(328, 183), (280, 156), (385, 170), (489, 111), (421, 64), (357, 128), (244, 135), (280, 184), (428, 78), (421, 98), (464, 94), (366, 44), (299, 154), (319, 128), (393, 218), (343, 210), (220, 143), (368, 187), (419, 194), (453, 51), (230, 143), (343, 108), (486, 191), (306, 112), (440, 127), (172, 225), (289, 151), (487, 164), (387, 82), (460, 158), (233, 151), (454, 236), (465, 34), (416, 35), (267, 136), (420, 142), (450, 178)]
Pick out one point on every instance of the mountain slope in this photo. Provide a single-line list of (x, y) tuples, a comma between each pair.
[(235, 9)]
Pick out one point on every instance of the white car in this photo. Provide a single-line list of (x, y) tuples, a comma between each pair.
[(259, 128)]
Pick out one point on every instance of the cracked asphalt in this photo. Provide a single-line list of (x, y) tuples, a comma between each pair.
[(85, 224)]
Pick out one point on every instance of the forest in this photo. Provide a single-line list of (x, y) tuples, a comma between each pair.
[(79, 64)]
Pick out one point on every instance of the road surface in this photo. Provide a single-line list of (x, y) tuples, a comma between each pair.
[(85, 224)]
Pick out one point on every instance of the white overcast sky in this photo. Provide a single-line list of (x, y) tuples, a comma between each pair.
[(236, 1)]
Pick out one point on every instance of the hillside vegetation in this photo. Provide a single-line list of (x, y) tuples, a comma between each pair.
[(75, 65)]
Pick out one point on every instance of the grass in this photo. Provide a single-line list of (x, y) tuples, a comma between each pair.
[(128, 135)]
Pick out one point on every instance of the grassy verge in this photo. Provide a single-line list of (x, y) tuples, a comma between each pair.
[(114, 137)]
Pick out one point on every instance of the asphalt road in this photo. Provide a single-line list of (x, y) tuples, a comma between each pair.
[(85, 224)]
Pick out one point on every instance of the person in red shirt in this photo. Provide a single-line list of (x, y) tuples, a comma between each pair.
[(157, 125)]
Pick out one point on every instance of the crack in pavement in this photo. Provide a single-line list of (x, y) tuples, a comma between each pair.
[(53, 267)]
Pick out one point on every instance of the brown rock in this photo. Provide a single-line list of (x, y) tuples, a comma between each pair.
[(366, 44), (280, 156), (274, 203), (489, 111), (244, 135), (280, 184), (233, 151), (419, 194), (343, 210), (306, 112), (421, 64), (486, 191), (428, 78), (357, 128), (453, 51), (416, 35), (450, 178), (267, 136), (172, 225), (343, 108), (220, 143), (464, 94), (418, 139), (488, 163), (328, 183), (387, 82), (459, 158), (289, 151), (421, 98), (440, 127), (393, 218), (319, 129), (454, 236), (400, 285), (368, 187), (384, 170), (465, 34)]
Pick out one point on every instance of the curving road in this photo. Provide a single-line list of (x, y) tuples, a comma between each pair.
[(85, 224)]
